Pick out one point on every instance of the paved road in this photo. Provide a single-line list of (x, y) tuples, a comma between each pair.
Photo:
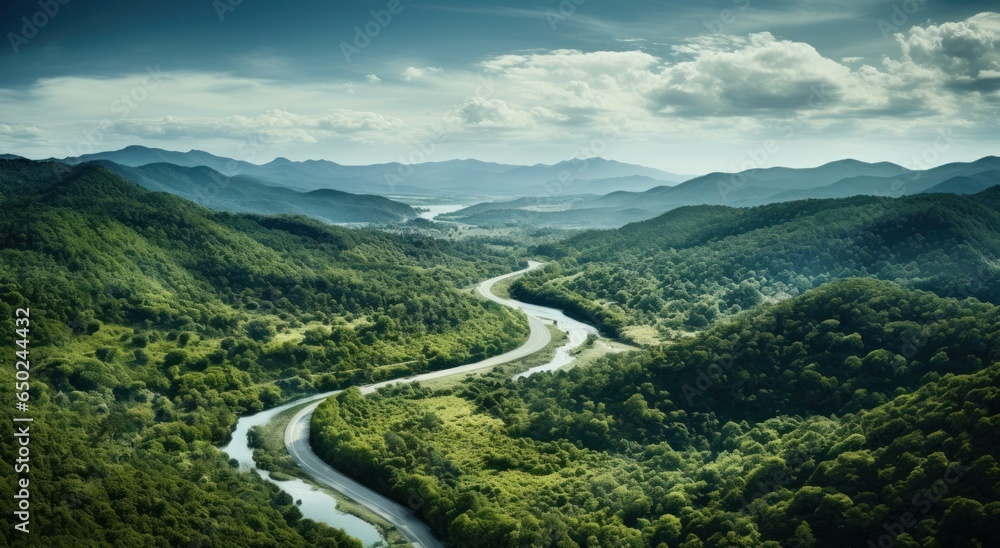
[(416, 531)]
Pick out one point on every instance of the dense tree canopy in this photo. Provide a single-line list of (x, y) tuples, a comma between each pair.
[(155, 322), (856, 411), (694, 266)]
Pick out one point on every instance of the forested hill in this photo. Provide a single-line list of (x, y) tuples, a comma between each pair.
[(154, 322), (754, 187), (857, 414), (243, 194), (696, 265)]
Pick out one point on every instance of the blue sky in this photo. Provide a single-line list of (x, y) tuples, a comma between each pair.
[(687, 87)]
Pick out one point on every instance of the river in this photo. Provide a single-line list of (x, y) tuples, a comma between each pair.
[(319, 506), (316, 505), (435, 210)]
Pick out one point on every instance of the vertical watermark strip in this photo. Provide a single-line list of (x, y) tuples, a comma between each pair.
[(22, 420)]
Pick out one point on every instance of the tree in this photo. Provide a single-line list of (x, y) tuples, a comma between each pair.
[(260, 331), (803, 537)]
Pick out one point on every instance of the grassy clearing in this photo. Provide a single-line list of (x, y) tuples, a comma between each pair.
[(502, 288)]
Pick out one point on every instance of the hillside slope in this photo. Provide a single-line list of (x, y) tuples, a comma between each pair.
[(860, 412), (693, 266), (154, 322), (842, 179), (243, 194)]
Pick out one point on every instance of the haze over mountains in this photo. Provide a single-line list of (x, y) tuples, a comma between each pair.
[(839, 179), (591, 193), (468, 178), (244, 194)]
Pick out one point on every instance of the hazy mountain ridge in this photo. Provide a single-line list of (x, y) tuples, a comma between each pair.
[(967, 184), (695, 265), (451, 177), (754, 187), (245, 194)]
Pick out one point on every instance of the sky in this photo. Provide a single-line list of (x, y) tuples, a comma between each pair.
[(687, 87)]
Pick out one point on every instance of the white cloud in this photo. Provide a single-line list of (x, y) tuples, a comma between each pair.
[(713, 91), (571, 63), (493, 113), (412, 73), (760, 77), (574, 89), (966, 53), (759, 74), (15, 132)]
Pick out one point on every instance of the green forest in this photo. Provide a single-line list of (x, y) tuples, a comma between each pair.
[(856, 411), (156, 322), (681, 272), (811, 373)]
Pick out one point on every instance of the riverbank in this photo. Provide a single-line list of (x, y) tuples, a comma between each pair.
[(374, 507)]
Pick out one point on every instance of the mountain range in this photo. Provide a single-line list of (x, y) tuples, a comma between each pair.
[(245, 194), (754, 187), (579, 193), (454, 178)]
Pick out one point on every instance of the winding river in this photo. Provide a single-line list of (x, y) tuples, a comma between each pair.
[(319, 506)]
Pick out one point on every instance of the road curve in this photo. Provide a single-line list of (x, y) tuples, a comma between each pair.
[(415, 531)]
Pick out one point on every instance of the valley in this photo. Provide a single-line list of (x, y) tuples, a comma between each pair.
[(565, 274), (845, 346)]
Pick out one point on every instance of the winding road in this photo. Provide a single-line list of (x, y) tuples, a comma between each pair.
[(416, 531)]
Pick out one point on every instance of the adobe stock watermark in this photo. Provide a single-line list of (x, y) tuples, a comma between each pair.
[(901, 14), (563, 12), (931, 154), (724, 19), (435, 135), (596, 147), (760, 157), (222, 7), (248, 151), (31, 26), (22, 424), (123, 105), (365, 34), (921, 503), (775, 481)]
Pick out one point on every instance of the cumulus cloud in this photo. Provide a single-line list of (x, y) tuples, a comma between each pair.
[(966, 53), (708, 90), (413, 73), (493, 113), (573, 88), (756, 74), (761, 77)]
